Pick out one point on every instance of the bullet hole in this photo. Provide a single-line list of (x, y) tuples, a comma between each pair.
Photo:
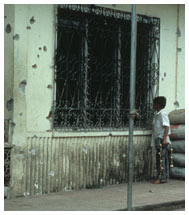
[(13, 125), (34, 66), (16, 37), (36, 185), (28, 27), (49, 86), (9, 105), (44, 48), (5, 17), (176, 104), (51, 173), (20, 156), (162, 79), (38, 56), (179, 49), (26, 194), (178, 32), (50, 115), (165, 74), (31, 151), (8, 28), (20, 114), (32, 20), (22, 86), (84, 149), (40, 48)]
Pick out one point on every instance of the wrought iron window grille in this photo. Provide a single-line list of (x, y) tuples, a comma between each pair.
[(92, 69)]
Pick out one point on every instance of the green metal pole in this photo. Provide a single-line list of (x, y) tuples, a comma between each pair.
[(132, 105)]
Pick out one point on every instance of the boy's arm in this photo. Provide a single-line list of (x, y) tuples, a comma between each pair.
[(165, 135)]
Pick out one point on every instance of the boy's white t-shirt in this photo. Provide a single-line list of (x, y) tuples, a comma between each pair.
[(160, 120)]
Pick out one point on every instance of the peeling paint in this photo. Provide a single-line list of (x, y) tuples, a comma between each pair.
[(118, 163), (69, 187), (16, 37), (8, 29), (22, 86), (99, 165), (32, 151), (32, 20), (9, 105), (20, 156), (51, 173), (36, 185), (26, 193), (84, 149)]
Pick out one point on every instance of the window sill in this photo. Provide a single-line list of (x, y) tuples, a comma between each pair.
[(100, 134)]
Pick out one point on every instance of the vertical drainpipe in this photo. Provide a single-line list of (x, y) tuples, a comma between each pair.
[(132, 105), (176, 67)]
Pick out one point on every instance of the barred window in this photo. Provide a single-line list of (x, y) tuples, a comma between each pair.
[(92, 68)]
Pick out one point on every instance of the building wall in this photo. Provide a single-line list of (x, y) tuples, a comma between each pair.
[(38, 149), (8, 60)]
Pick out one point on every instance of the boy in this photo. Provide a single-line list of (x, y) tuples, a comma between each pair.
[(160, 133)]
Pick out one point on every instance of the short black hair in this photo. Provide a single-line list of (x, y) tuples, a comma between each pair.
[(160, 100)]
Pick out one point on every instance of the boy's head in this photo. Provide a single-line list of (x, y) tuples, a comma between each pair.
[(159, 103)]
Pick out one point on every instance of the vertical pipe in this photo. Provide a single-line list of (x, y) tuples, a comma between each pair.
[(132, 105), (176, 67)]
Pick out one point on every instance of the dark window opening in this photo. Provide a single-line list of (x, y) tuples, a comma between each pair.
[(93, 68)]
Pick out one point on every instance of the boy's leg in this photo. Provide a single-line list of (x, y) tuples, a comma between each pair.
[(163, 174), (157, 163)]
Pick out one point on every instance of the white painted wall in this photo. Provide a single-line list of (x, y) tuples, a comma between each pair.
[(28, 85), (33, 106), (8, 59), (168, 28)]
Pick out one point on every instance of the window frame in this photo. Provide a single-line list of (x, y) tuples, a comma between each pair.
[(127, 16)]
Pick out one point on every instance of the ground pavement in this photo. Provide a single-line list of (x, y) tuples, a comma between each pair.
[(146, 196)]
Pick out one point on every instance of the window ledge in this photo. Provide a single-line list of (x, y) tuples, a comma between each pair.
[(100, 134)]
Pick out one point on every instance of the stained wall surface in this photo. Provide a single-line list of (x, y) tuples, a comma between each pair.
[(29, 72)]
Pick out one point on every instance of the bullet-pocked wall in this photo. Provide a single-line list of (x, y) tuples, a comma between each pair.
[(8, 60), (39, 153)]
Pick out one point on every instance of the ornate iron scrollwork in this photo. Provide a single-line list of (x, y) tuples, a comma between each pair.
[(93, 68)]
